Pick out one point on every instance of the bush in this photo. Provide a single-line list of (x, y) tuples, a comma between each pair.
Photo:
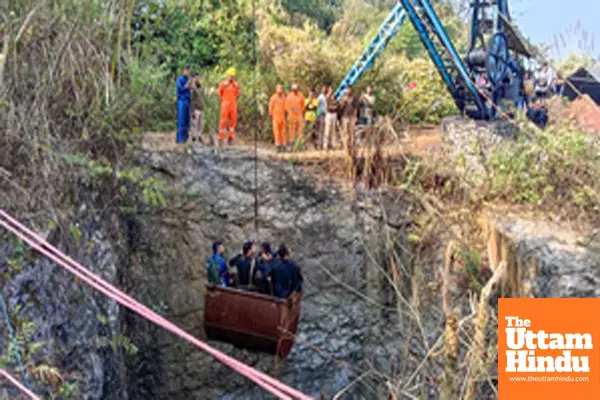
[(556, 168)]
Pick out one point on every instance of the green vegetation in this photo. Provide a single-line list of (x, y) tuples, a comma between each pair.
[(555, 171), (557, 167)]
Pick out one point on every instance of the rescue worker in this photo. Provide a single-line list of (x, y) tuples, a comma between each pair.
[(244, 263), (294, 105), (286, 276), (217, 267), (331, 118), (311, 111), (367, 106), (528, 89), (229, 91), (538, 113), (277, 112), (321, 117), (367, 111), (261, 276), (197, 108), (349, 108), (183, 105)]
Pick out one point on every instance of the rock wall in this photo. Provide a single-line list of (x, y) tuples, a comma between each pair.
[(75, 326), (467, 142), (338, 236), (342, 237), (543, 259)]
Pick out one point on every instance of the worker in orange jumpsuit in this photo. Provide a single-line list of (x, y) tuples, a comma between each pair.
[(294, 105), (277, 112), (229, 91)]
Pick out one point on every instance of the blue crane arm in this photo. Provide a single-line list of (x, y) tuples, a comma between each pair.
[(440, 48), (386, 32), (444, 55)]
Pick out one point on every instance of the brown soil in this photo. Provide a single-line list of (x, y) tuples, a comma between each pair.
[(418, 141)]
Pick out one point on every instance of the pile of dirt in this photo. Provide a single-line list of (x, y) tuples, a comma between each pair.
[(586, 113)]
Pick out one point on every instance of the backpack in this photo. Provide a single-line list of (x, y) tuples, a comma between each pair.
[(212, 267)]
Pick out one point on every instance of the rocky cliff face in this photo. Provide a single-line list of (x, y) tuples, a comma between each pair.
[(75, 327), (350, 244), (544, 259), (347, 321)]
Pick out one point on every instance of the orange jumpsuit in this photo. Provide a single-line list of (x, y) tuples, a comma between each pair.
[(277, 111), (294, 105), (228, 95)]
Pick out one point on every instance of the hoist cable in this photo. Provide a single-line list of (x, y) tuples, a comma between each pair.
[(254, 120)]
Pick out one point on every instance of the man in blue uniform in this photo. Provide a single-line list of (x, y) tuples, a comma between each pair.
[(183, 105), (217, 267), (286, 276), (243, 263)]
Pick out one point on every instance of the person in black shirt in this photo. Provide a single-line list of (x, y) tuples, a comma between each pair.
[(243, 263), (286, 276), (261, 276)]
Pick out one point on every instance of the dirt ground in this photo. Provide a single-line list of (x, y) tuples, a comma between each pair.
[(414, 141)]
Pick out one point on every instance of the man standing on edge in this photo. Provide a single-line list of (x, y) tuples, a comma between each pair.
[(229, 91), (331, 118), (277, 112), (183, 105), (321, 117), (294, 105), (349, 107), (310, 116), (197, 108), (367, 106)]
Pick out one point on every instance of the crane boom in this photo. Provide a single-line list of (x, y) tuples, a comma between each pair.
[(385, 33)]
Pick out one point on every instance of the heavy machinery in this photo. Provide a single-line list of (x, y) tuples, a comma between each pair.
[(494, 47)]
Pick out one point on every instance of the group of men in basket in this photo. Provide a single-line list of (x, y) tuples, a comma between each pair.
[(269, 272)]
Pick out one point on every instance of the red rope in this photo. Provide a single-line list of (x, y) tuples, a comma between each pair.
[(18, 384), (279, 389)]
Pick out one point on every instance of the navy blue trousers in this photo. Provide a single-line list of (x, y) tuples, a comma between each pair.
[(183, 121)]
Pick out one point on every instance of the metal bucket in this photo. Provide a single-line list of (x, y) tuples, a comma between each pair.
[(251, 320)]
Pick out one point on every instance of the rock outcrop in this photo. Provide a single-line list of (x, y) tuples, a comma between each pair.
[(75, 326), (468, 143), (543, 259)]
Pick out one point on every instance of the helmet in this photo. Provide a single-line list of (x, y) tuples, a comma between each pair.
[(231, 72)]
